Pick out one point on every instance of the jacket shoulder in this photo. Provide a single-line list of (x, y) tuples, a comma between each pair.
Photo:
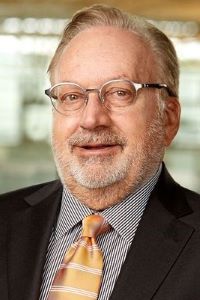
[(177, 199), (8, 200), (25, 191), (193, 198)]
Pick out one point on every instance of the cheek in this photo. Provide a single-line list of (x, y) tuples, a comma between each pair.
[(132, 125), (63, 127), (136, 123)]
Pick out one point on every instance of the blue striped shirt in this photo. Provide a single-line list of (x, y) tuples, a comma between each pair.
[(124, 218)]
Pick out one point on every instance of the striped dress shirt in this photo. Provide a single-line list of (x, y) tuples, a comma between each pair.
[(124, 218)]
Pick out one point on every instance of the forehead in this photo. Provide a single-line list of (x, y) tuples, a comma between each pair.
[(104, 53)]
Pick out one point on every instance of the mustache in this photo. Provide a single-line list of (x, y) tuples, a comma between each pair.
[(97, 137)]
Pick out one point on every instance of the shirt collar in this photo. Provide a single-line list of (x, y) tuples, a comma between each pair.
[(72, 212), (121, 216), (125, 216)]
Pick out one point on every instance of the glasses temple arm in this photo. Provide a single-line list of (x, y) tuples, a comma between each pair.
[(159, 86)]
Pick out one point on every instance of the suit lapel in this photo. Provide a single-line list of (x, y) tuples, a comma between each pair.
[(29, 235), (160, 238)]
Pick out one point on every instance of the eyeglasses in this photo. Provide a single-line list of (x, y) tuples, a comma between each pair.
[(115, 95)]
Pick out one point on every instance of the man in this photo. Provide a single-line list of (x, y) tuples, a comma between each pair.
[(114, 88)]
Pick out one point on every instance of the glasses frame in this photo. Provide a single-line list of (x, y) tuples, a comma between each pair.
[(136, 85)]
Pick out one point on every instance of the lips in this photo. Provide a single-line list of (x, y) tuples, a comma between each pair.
[(96, 146), (96, 149)]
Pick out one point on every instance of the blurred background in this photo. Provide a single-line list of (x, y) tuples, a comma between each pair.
[(29, 33)]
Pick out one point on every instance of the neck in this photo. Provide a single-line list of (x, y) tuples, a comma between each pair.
[(101, 198)]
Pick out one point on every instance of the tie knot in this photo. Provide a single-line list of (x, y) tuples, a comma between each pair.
[(94, 225)]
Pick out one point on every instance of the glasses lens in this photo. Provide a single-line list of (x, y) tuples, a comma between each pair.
[(67, 97), (118, 94)]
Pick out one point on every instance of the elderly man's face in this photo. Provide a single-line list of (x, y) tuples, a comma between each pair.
[(97, 150)]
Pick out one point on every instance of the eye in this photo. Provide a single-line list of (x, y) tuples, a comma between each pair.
[(71, 97), (119, 93)]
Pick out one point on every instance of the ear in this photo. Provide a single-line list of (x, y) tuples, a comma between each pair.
[(172, 113)]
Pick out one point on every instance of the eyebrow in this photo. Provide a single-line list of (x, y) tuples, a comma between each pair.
[(121, 76)]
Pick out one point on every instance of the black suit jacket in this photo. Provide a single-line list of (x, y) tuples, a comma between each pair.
[(162, 264)]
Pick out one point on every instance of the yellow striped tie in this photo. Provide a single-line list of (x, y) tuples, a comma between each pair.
[(79, 276)]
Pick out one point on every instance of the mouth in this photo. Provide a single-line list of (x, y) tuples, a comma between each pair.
[(96, 146), (97, 149)]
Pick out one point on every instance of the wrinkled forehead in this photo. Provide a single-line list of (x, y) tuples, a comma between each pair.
[(105, 51)]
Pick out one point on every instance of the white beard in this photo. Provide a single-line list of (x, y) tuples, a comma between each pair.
[(98, 171)]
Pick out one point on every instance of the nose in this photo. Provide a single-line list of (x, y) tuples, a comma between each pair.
[(94, 113)]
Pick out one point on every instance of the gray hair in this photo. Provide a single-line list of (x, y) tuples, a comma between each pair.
[(163, 51)]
